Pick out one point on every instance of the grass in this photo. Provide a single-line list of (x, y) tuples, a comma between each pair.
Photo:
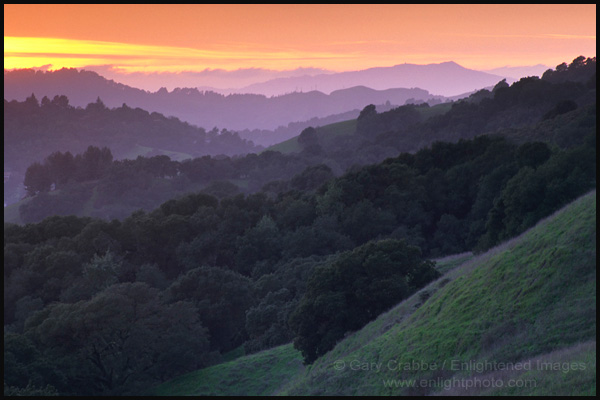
[(11, 212), (530, 300), (286, 147), (326, 132), (254, 375), (346, 128), (139, 150), (240, 183), (438, 109), (88, 207), (12, 215), (569, 371), (136, 151), (448, 263), (234, 354), (532, 295)]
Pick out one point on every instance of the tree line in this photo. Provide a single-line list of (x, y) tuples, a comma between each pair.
[(33, 129)]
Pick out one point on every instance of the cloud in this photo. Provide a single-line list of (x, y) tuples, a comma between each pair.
[(25, 52), (221, 79), (561, 36), (531, 36), (366, 42)]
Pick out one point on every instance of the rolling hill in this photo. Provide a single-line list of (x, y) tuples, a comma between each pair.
[(206, 109), (330, 132), (521, 315)]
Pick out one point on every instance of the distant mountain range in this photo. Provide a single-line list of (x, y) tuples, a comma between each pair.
[(444, 79), (205, 109), (519, 72), (275, 83), (308, 96), (208, 79)]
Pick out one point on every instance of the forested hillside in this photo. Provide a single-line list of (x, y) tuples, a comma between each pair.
[(519, 319), (208, 108), (242, 265), (529, 317), (33, 129), (309, 254), (561, 113)]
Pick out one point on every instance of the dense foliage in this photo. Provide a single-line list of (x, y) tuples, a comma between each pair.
[(241, 265), (92, 184), (93, 306), (346, 294), (33, 129)]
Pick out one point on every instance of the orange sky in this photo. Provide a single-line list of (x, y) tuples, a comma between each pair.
[(175, 38)]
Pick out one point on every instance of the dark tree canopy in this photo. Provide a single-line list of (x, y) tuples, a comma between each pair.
[(347, 293)]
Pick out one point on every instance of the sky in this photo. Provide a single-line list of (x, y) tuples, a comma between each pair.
[(155, 40)]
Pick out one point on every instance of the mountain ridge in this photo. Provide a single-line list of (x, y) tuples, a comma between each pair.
[(380, 78), (238, 111)]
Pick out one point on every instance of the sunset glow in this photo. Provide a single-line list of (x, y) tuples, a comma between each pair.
[(149, 38), (22, 52)]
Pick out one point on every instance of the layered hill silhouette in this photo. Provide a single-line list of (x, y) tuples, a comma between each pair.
[(561, 114), (198, 274), (317, 96), (445, 79)]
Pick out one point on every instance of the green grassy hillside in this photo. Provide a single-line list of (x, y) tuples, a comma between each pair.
[(258, 374), (345, 128), (529, 303), (325, 132), (533, 295), (11, 213), (139, 150)]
